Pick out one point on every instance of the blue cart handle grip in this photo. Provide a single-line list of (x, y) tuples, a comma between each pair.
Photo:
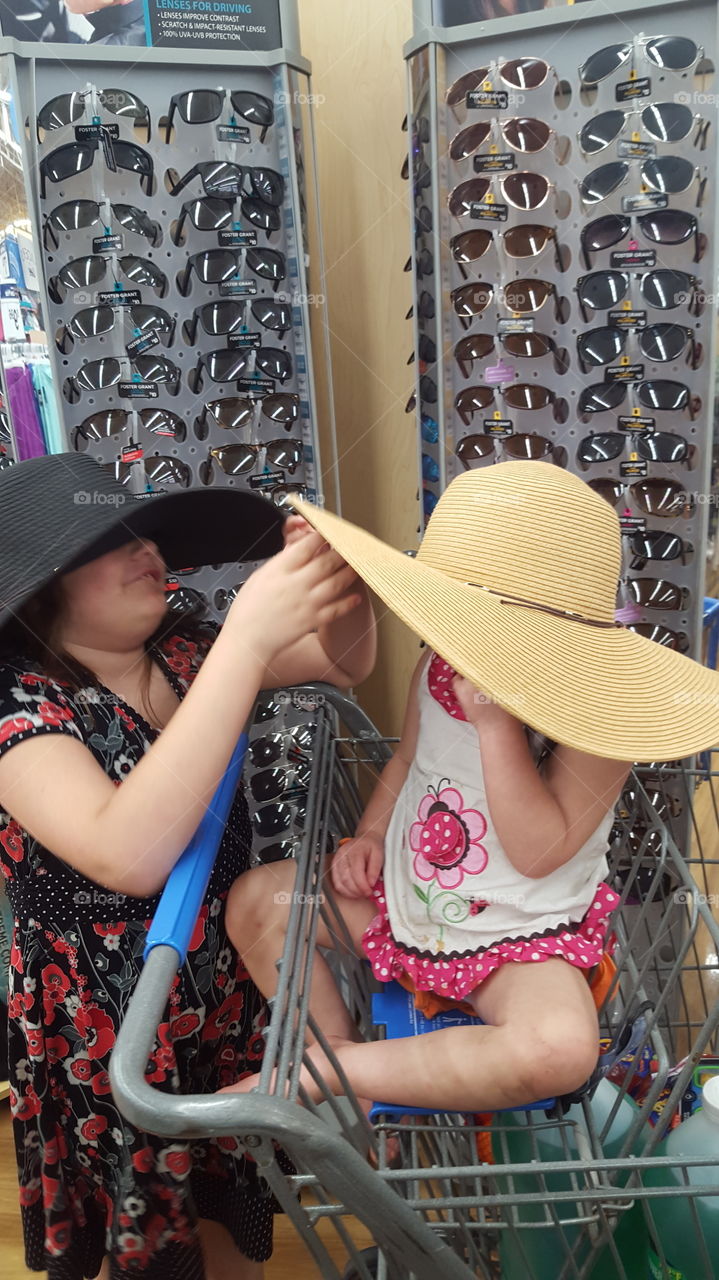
[(182, 897)]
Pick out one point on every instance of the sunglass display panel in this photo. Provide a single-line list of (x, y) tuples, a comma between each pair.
[(565, 247)]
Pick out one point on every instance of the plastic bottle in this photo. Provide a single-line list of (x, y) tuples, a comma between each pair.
[(672, 1216), (542, 1252)]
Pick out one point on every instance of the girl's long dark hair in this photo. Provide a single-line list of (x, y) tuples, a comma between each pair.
[(33, 634)]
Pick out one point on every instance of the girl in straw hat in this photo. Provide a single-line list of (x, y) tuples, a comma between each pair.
[(477, 870), (117, 720)]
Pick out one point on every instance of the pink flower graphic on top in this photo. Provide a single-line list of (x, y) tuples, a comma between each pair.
[(446, 839)]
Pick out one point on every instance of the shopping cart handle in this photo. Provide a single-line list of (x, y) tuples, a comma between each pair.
[(179, 906)]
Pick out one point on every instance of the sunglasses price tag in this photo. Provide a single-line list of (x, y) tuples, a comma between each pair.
[(624, 373), (107, 244), (627, 319), (138, 390), (237, 239), (628, 259), (636, 150), (646, 200), (634, 467), (144, 342), (256, 389), (172, 585), (498, 426), (131, 453), (235, 340), (516, 324), (488, 99), (629, 524), (484, 210), (233, 133), (498, 162), (268, 480), (230, 288), (636, 422), (120, 297), (96, 132), (628, 90)]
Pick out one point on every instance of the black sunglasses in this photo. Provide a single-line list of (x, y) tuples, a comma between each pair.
[(656, 446), (68, 108), (159, 471), (672, 53), (660, 343), (661, 394), (663, 289), (655, 544), (294, 746), (112, 422), (663, 121), (203, 106), (75, 157), (82, 273), (229, 366), (660, 226), (222, 178), (96, 375), (217, 266), (94, 322), (78, 215)]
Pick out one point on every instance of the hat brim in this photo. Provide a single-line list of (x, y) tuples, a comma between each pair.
[(606, 691)]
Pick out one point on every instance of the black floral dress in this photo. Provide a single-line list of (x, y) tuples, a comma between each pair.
[(90, 1183)]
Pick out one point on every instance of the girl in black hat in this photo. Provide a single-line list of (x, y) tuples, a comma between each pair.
[(116, 723)]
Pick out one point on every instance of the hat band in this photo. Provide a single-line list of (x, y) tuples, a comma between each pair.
[(504, 598)]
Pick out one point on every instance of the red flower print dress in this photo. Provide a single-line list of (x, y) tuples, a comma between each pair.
[(90, 1183), (451, 906)]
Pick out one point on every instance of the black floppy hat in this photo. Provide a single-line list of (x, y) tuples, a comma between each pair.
[(59, 512)]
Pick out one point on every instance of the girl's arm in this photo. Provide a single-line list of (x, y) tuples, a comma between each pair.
[(341, 652), (541, 819), (357, 864), (129, 837)]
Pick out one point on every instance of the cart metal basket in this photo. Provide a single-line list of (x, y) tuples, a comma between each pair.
[(475, 1196)]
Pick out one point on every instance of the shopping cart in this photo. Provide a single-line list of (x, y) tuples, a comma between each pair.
[(474, 1196)]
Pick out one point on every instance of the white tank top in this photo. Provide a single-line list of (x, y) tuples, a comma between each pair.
[(450, 887)]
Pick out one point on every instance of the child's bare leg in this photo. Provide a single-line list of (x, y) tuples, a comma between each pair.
[(542, 1039), (258, 909)]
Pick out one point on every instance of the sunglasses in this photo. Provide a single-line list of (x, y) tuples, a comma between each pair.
[(669, 175), (237, 412), (222, 178), (657, 446), (229, 366), (112, 422), (185, 599), (426, 350), (529, 346), (273, 819), (159, 471), (290, 783), (520, 133), (657, 593), (663, 289), (239, 459), (82, 273), (660, 394), (68, 108), (78, 215), (521, 396), (204, 106), (94, 322), (663, 121), (525, 241), (293, 746), (660, 343), (523, 297), (75, 157), (520, 73), (671, 53), (655, 544), (663, 498), (529, 446), (212, 213), (96, 375), (520, 189), (661, 226), (661, 635), (217, 266)]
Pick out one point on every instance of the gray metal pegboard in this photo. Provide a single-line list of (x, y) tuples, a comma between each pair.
[(564, 38)]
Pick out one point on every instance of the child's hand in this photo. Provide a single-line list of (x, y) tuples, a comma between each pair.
[(480, 708), (306, 586), (357, 864), (294, 528)]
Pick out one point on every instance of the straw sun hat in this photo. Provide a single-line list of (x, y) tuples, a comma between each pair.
[(515, 586)]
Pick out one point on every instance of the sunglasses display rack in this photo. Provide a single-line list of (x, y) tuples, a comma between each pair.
[(562, 167), (172, 210)]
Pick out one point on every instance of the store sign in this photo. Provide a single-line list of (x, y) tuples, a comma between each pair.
[(175, 24)]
